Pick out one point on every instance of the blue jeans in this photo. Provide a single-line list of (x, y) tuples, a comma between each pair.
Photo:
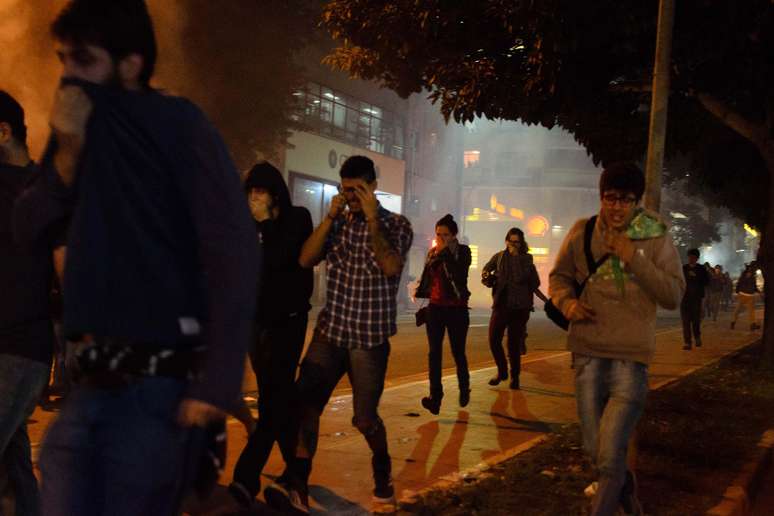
[(21, 382), (322, 368), (118, 451), (611, 397)]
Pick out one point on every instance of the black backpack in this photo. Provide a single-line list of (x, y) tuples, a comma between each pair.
[(552, 312)]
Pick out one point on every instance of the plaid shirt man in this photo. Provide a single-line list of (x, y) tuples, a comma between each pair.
[(361, 307)]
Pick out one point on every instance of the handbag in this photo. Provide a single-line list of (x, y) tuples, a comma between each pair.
[(420, 316), (552, 312)]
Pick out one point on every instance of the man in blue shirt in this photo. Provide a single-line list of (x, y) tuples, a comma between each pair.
[(161, 273)]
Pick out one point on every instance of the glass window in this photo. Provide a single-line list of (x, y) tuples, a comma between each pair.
[(339, 115), (308, 194), (328, 112), (329, 192)]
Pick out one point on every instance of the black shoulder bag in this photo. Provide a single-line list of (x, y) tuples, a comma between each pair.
[(552, 312)]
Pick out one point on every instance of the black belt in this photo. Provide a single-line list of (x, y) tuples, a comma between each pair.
[(111, 362)]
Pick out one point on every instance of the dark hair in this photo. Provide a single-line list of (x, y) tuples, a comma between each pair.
[(524, 249), (12, 113), (358, 167), (623, 176), (694, 252), (448, 221), (266, 176), (122, 27)]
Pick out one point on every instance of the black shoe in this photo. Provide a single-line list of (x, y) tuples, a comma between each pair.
[(464, 397), (287, 500), (698, 343), (514, 383), (630, 504), (241, 495), (733, 323), (384, 491), (687, 345), (432, 404), (495, 380)]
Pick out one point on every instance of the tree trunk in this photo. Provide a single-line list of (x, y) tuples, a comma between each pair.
[(766, 254)]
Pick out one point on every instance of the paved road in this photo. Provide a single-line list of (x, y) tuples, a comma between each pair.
[(408, 358)]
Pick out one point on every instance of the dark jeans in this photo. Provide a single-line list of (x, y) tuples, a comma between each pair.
[(274, 359), (118, 452), (690, 313), (515, 320), (323, 366), (456, 320), (21, 382)]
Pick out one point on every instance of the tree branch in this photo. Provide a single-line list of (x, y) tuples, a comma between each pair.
[(756, 133)]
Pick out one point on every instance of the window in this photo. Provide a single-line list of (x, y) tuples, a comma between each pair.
[(331, 113), (471, 158), (312, 194)]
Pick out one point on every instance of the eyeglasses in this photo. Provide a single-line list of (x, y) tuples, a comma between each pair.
[(623, 201)]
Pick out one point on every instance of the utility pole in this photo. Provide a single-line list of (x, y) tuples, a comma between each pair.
[(659, 104)]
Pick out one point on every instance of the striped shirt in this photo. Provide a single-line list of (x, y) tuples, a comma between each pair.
[(360, 309)]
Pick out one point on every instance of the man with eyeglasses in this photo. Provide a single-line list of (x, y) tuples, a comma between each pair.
[(365, 247), (612, 323)]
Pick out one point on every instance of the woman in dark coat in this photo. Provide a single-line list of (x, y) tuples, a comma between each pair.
[(445, 283), (513, 278)]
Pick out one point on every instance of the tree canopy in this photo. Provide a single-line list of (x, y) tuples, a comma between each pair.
[(585, 66)]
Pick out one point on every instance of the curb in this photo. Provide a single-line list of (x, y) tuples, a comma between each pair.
[(739, 495), (453, 479)]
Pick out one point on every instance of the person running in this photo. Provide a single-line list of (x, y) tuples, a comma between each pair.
[(160, 277), (746, 293), (280, 325), (444, 282), (612, 323), (514, 281), (26, 329), (696, 280), (365, 247)]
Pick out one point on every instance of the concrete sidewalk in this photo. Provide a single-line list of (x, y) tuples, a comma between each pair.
[(435, 450)]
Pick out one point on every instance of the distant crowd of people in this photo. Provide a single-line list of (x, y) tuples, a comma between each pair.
[(709, 290), (168, 271)]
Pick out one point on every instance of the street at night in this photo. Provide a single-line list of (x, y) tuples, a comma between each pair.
[(419, 257)]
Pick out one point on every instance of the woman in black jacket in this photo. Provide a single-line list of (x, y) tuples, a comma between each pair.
[(445, 283), (514, 280)]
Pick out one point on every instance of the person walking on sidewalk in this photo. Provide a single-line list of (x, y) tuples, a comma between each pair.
[(696, 281), (612, 324), (445, 282), (280, 327), (26, 328), (746, 293), (365, 247), (514, 281), (161, 272), (714, 292)]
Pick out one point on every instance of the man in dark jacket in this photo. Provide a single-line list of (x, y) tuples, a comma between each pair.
[(26, 331), (281, 321), (161, 273), (696, 280)]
